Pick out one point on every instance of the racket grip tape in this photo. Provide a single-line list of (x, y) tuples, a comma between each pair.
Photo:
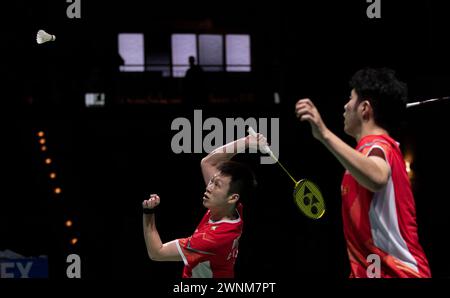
[(265, 148)]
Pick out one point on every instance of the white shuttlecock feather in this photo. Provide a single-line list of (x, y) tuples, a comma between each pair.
[(43, 36)]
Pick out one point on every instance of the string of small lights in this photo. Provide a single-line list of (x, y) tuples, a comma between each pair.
[(54, 183)]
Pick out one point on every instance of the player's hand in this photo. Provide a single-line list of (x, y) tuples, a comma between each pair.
[(152, 202), (257, 143), (305, 110)]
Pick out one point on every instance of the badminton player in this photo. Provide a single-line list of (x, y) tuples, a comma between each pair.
[(378, 209), (211, 251)]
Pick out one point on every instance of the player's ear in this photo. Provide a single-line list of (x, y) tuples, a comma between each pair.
[(234, 198), (366, 109)]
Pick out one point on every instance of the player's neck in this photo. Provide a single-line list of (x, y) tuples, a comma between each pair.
[(217, 215), (370, 129)]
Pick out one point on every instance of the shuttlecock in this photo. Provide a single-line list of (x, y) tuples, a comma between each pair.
[(43, 36)]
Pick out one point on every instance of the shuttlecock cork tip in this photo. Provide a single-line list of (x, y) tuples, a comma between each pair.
[(42, 37)]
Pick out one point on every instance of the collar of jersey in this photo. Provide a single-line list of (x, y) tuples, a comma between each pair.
[(226, 220)]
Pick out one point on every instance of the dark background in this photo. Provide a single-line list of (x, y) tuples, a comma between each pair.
[(109, 159)]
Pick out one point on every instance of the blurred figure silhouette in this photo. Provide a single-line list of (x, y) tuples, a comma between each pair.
[(195, 92)]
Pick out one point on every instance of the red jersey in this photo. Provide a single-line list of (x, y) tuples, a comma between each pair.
[(384, 222), (213, 248)]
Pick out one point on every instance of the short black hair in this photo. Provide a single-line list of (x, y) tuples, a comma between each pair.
[(243, 181), (385, 92)]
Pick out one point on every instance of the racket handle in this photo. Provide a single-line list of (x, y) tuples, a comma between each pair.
[(251, 131), (265, 148)]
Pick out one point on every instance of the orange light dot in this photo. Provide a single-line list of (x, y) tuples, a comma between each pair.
[(408, 166), (42, 141), (52, 175), (68, 223), (44, 148), (73, 241), (409, 171), (40, 134), (57, 190), (48, 161)]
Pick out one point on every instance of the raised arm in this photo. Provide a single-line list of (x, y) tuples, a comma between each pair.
[(372, 172), (157, 251), (226, 152)]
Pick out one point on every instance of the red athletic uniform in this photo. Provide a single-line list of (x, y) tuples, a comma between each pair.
[(212, 250), (384, 222)]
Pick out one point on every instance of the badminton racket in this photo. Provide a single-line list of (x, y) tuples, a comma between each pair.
[(307, 195)]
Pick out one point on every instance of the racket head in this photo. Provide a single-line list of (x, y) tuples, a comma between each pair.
[(309, 199)]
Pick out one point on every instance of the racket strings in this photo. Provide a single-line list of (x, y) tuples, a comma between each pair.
[(309, 199)]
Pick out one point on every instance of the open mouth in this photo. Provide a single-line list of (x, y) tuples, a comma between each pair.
[(205, 196)]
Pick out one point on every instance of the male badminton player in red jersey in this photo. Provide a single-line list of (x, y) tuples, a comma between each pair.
[(212, 250), (378, 208)]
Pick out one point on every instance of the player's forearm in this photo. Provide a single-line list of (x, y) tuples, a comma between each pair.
[(151, 236), (225, 152), (364, 170)]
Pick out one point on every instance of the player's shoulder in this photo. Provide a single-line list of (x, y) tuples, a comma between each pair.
[(383, 142)]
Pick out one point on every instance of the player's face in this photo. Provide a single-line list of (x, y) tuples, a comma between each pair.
[(352, 122), (216, 194)]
